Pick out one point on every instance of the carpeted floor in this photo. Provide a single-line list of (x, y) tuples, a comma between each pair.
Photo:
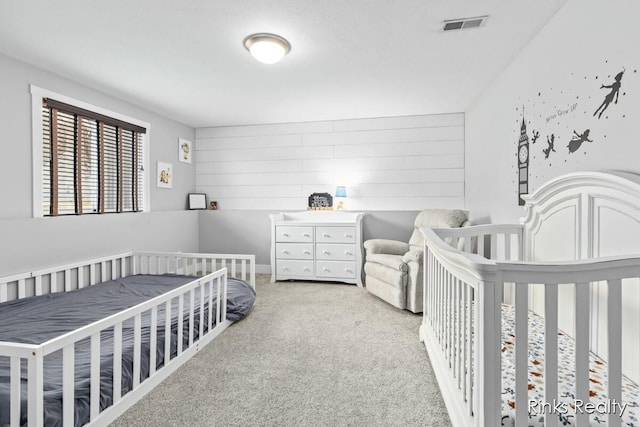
[(309, 354)]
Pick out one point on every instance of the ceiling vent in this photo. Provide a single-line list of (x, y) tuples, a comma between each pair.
[(461, 24)]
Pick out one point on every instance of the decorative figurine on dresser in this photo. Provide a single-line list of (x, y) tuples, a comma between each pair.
[(317, 245)]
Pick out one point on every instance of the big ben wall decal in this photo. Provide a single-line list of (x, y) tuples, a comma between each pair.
[(523, 162)]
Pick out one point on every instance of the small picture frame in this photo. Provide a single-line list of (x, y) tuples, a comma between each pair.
[(185, 150), (197, 201), (213, 205), (164, 175)]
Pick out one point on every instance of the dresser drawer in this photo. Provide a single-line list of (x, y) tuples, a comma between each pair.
[(336, 251), (294, 234), (294, 250), (288, 267), (336, 269), (335, 234)]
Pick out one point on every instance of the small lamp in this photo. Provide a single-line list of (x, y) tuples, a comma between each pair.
[(341, 193)]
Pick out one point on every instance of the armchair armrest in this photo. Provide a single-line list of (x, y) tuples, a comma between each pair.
[(384, 246), (414, 255)]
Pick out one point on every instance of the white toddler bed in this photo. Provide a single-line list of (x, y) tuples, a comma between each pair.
[(539, 323), (178, 303)]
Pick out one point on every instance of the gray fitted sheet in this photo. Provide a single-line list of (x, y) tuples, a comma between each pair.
[(38, 319)]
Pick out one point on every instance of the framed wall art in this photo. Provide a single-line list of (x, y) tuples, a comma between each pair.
[(197, 201), (185, 150), (164, 175)]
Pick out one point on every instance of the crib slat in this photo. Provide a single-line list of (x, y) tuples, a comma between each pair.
[(67, 280), (550, 350), (202, 288), (210, 302), (92, 274), (480, 248), (180, 322), (54, 282), (614, 334), (494, 247), (95, 376), (68, 380), (22, 288), (522, 365), (167, 332), (35, 389), (137, 327), (458, 333), (244, 270), (192, 295), (582, 349), (38, 285), (3, 292), (14, 415), (218, 311), (80, 278), (114, 269), (153, 340), (117, 362)]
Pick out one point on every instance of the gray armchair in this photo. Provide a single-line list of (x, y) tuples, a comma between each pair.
[(393, 269)]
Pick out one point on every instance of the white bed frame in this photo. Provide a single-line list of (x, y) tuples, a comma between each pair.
[(578, 247), (212, 269)]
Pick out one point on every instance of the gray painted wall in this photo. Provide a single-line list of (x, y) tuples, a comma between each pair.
[(28, 243), (230, 231)]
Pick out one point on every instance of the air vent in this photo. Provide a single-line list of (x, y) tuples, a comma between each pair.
[(461, 24)]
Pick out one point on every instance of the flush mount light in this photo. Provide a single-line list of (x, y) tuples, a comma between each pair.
[(267, 48)]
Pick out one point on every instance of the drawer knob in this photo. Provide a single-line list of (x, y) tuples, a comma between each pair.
[(326, 252), (348, 271), (285, 235), (326, 235), (307, 253), (349, 236), (325, 269), (347, 253), (306, 235), (307, 269), (285, 269), (285, 252)]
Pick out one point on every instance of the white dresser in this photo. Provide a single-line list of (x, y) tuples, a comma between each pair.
[(317, 245)]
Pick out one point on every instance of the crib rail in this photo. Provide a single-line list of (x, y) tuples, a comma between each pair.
[(199, 307), (492, 241), (238, 266), (462, 324)]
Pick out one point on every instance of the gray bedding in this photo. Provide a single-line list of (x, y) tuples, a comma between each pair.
[(38, 319)]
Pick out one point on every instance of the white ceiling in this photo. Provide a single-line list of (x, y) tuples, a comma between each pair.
[(349, 58)]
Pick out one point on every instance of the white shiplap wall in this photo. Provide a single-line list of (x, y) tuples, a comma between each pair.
[(397, 163)]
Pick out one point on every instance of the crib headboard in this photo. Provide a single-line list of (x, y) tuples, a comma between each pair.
[(583, 215), (589, 215)]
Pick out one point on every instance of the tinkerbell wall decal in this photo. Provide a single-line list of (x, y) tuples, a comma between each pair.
[(577, 140), (615, 90)]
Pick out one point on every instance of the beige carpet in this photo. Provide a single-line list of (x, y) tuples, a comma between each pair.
[(309, 354)]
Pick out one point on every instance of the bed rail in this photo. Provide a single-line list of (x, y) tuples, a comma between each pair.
[(199, 307), (462, 323)]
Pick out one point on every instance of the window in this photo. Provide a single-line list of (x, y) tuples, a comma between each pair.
[(91, 163)]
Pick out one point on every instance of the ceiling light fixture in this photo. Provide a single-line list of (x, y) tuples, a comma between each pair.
[(267, 48)]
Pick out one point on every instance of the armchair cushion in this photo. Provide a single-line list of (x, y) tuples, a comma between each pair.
[(395, 262), (384, 246)]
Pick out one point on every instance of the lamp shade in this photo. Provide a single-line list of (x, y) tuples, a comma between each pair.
[(267, 48), (341, 191)]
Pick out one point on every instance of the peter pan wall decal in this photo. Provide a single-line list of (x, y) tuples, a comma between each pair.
[(615, 90)]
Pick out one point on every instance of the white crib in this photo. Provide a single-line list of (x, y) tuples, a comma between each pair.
[(574, 262), (201, 305)]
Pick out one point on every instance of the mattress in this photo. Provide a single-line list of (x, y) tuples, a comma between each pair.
[(38, 319), (565, 406)]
